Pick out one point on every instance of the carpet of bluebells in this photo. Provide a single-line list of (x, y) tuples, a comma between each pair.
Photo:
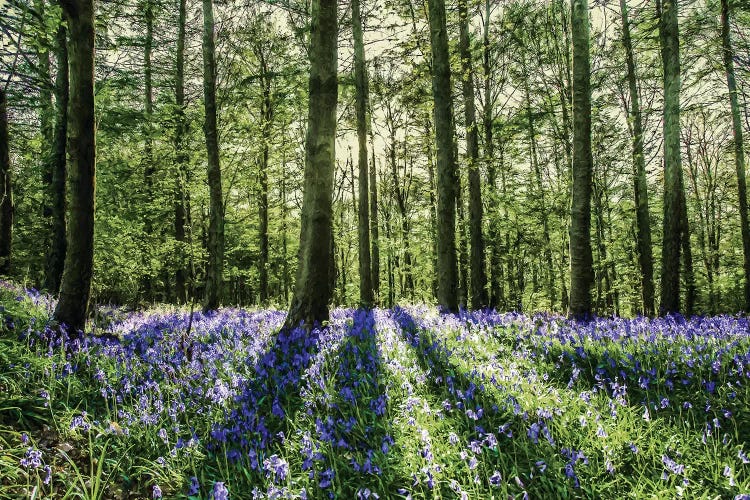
[(399, 403)]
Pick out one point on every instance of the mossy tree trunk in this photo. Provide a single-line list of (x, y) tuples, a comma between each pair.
[(671, 244), (447, 268), (581, 259), (215, 265), (75, 289), (314, 286)]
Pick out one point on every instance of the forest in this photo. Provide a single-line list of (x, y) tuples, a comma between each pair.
[(387, 249)]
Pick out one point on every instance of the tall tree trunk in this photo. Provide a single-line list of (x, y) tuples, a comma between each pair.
[(478, 295), (374, 230), (314, 288), (267, 117), (47, 128), (640, 186), (687, 254), (739, 153), (581, 259), (463, 251), (181, 157), (495, 236), (57, 242), (366, 298), (670, 255), (148, 150), (446, 161), (214, 270), (6, 193), (72, 307), (433, 204)]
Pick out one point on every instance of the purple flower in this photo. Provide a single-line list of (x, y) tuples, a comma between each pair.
[(194, 486), (496, 478), (220, 492), (156, 492)]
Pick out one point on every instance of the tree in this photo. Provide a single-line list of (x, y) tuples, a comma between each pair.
[(314, 283), (581, 259), (72, 307), (671, 245), (58, 167), (447, 268), (478, 296), (181, 156), (739, 153), (640, 187), (6, 193), (215, 266), (366, 297)]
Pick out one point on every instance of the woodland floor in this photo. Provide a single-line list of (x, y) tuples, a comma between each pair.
[(392, 403)]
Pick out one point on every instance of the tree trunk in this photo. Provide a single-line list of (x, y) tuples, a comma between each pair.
[(314, 288), (495, 236), (478, 296), (148, 150), (640, 186), (670, 255), (581, 259), (366, 298), (687, 254), (181, 157), (214, 270), (433, 205), (6, 193), (374, 230), (739, 153), (72, 307), (463, 251), (267, 117), (446, 161), (57, 243)]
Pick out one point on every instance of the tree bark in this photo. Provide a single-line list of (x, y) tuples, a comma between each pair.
[(314, 284), (640, 186), (670, 255), (267, 119), (374, 230), (214, 270), (581, 259), (478, 296), (739, 153), (148, 149), (181, 157), (75, 289), (58, 166), (6, 193), (366, 298), (446, 161)]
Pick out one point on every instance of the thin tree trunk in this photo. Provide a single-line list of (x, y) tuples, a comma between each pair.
[(446, 161), (267, 117), (670, 255), (72, 307), (148, 152), (478, 296), (214, 270), (374, 230), (433, 205), (181, 157), (314, 288), (687, 254), (739, 153), (640, 185), (581, 259), (366, 298), (57, 243), (6, 193)]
